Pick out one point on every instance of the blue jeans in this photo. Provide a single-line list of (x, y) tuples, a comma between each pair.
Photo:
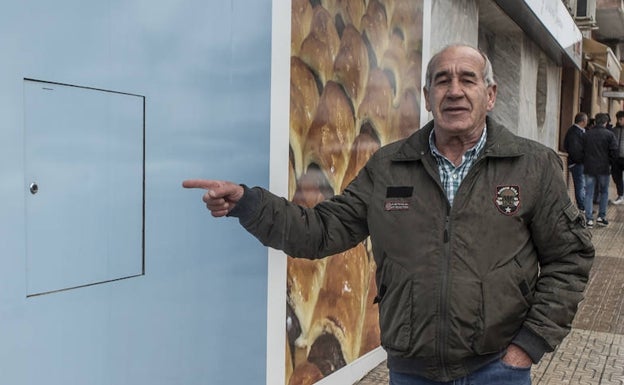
[(579, 185), (496, 373), (602, 183)]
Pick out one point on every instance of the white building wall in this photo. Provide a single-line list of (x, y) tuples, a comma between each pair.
[(527, 89), (453, 22)]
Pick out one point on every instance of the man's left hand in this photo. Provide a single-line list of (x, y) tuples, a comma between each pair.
[(517, 357)]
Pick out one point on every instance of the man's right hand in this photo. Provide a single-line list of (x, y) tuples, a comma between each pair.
[(220, 196)]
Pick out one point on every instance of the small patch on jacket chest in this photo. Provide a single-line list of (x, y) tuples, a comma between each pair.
[(507, 199), (396, 205), (396, 198)]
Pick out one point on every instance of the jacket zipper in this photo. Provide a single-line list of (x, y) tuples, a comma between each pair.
[(444, 293), (441, 346)]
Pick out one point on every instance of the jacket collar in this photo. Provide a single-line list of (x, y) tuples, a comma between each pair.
[(500, 142)]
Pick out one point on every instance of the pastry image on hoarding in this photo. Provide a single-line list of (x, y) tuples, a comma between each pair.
[(355, 85)]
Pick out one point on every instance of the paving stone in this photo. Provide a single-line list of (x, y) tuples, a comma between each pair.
[(602, 309), (584, 357)]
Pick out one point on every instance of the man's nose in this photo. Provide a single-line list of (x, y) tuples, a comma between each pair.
[(455, 88)]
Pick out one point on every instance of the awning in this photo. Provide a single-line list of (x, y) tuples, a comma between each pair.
[(550, 26), (602, 58)]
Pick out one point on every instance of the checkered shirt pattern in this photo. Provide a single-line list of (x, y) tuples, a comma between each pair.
[(451, 176)]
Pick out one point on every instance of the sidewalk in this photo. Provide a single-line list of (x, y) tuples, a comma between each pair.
[(593, 352)]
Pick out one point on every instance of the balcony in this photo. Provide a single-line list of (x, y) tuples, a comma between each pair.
[(610, 20), (602, 59)]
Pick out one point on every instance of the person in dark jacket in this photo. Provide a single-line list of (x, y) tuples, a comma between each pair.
[(573, 145), (599, 151), (617, 168), (481, 256)]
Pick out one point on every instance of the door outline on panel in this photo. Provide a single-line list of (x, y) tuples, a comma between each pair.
[(84, 158)]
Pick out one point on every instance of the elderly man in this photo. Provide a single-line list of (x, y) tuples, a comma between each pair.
[(482, 258)]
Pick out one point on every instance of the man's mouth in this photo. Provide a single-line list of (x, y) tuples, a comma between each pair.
[(455, 109)]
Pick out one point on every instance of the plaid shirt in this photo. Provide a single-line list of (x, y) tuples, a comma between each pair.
[(451, 176)]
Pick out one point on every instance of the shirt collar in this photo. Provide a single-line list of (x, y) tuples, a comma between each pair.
[(471, 153)]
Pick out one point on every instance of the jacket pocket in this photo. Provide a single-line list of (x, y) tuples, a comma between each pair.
[(507, 297), (405, 314), (395, 307)]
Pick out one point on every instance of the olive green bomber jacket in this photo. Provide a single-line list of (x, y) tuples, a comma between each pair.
[(507, 262)]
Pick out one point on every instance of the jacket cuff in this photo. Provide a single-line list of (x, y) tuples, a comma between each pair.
[(532, 344), (247, 205)]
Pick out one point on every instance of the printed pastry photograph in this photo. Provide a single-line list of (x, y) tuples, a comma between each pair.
[(354, 73)]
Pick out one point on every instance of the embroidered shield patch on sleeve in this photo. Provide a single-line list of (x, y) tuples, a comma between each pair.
[(507, 199)]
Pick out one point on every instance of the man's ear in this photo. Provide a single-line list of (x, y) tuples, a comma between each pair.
[(491, 90), (427, 105)]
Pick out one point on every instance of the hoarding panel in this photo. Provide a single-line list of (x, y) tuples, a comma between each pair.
[(355, 85)]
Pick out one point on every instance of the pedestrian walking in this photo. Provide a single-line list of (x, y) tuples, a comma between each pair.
[(599, 151), (617, 167), (573, 145), (481, 256)]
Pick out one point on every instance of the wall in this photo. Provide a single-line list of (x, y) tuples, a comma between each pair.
[(528, 87), (198, 314), (539, 88), (462, 15), (549, 128)]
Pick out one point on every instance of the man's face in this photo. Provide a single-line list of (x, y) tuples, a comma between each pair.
[(458, 96), (620, 121), (583, 123)]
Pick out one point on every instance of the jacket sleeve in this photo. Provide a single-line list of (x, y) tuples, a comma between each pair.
[(565, 253), (613, 148), (330, 227), (573, 145)]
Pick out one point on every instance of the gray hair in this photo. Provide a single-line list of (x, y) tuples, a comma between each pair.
[(488, 72)]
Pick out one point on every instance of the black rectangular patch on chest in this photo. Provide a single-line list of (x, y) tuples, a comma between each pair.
[(399, 191)]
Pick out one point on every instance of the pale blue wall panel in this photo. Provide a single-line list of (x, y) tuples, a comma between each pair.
[(198, 315)]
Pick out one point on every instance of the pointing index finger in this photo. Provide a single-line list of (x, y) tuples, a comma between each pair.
[(201, 183)]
